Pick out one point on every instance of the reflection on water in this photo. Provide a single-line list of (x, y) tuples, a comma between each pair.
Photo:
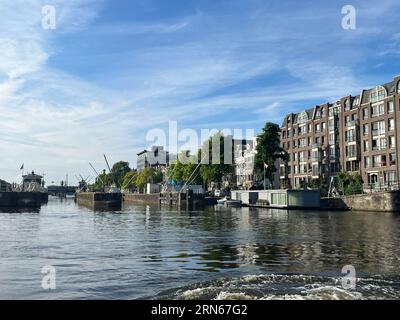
[(147, 252)]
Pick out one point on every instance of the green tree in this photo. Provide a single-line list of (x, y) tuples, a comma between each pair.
[(129, 181), (103, 180), (210, 172), (118, 172), (349, 184), (148, 175), (268, 150)]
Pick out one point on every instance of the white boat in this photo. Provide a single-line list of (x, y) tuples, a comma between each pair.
[(222, 201)]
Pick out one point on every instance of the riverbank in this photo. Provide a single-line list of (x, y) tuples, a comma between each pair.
[(388, 201)]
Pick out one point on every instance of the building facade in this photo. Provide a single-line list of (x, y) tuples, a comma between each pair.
[(354, 134), (244, 158), (156, 157)]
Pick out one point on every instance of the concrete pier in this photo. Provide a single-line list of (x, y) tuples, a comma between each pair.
[(186, 200), (99, 200)]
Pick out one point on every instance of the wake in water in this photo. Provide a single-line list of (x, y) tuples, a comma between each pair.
[(286, 287)]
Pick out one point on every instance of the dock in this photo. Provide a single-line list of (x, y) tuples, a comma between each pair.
[(99, 200)]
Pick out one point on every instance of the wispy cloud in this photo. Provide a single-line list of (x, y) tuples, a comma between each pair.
[(97, 83)]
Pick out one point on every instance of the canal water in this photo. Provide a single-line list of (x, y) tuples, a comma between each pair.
[(218, 253)]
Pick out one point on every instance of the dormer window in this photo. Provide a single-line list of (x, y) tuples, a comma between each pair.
[(398, 87), (302, 118), (378, 94), (347, 105)]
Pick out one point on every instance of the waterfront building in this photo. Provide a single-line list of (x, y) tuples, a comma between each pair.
[(32, 182), (354, 134), (244, 158), (156, 157)]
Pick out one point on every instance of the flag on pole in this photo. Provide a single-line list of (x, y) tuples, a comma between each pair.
[(266, 165), (22, 167)]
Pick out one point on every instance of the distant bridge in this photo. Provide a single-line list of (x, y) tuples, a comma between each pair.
[(61, 190)]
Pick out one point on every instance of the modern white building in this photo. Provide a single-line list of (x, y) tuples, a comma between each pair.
[(156, 157)]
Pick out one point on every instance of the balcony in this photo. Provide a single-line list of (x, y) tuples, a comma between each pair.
[(377, 148)]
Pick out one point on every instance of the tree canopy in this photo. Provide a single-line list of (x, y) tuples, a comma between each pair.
[(268, 150)]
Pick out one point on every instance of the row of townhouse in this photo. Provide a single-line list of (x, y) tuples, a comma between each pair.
[(355, 134)]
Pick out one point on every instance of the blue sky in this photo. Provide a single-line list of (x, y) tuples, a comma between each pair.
[(113, 70)]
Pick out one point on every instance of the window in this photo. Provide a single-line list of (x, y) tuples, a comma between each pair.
[(398, 87), (365, 113), (315, 170), (331, 138), (378, 110), (317, 128), (323, 112), (303, 117), (331, 124), (391, 124), (350, 135), (347, 105), (376, 161), (392, 159), (392, 142), (379, 144), (378, 94), (366, 145), (367, 162), (351, 151), (365, 129), (390, 107), (315, 156), (323, 126), (378, 128), (392, 177), (301, 156)]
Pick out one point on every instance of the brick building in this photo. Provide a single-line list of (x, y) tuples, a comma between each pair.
[(355, 134)]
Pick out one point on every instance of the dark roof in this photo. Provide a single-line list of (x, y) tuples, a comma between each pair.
[(140, 153)]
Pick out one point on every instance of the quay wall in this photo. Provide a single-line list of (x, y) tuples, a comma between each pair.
[(187, 200), (99, 200), (139, 198), (22, 199), (388, 201)]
